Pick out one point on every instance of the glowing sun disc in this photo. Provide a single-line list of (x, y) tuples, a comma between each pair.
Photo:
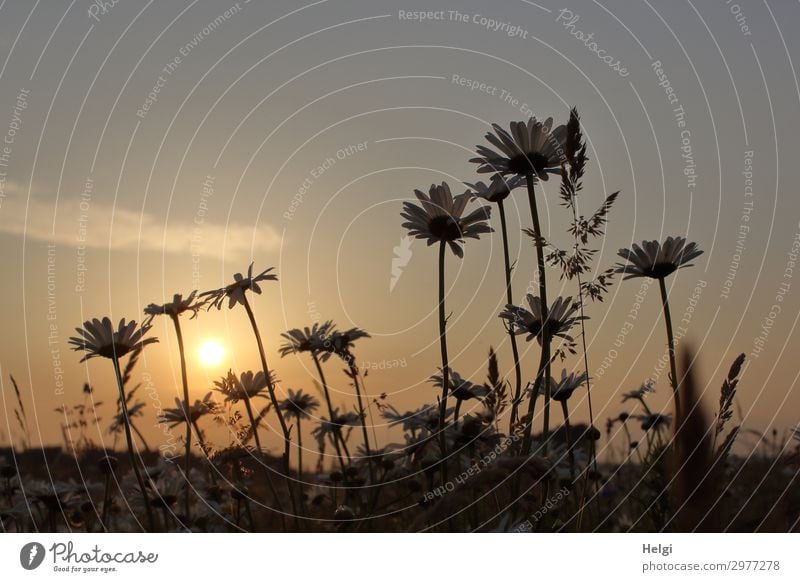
[(211, 352)]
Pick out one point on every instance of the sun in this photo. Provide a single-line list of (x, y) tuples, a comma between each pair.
[(211, 352)]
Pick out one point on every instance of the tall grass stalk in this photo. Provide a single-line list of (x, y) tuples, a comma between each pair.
[(129, 439)]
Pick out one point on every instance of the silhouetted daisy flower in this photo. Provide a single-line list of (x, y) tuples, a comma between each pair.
[(247, 385), (562, 389), (235, 291), (655, 421), (298, 404), (342, 342), (176, 307), (307, 339), (639, 394), (657, 260), (561, 316), (498, 189), (460, 388), (532, 148), (172, 417), (99, 338), (439, 218)]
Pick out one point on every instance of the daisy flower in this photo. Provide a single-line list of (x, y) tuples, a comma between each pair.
[(657, 260), (439, 218), (235, 291), (532, 148), (99, 338), (498, 189), (562, 315)]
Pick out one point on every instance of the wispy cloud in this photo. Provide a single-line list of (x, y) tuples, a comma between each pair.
[(96, 226)]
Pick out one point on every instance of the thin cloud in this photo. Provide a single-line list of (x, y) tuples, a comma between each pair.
[(97, 226)]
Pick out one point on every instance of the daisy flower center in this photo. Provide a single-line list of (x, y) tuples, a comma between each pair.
[(530, 163), (445, 228)]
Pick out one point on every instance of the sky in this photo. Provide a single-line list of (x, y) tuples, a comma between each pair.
[(152, 148)]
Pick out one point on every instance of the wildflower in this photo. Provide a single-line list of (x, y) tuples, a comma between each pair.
[(439, 218), (460, 388), (298, 404), (172, 417), (657, 260), (561, 390), (307, 339), (248, 385), (176, 307), (646, 388), (655, 421), (531, 148), (235, 291), (342, 342), (560, 319), (498, 189), (99, 338)]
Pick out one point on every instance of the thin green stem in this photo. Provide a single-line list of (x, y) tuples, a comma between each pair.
[(511, 334), (326, 392), (544, 363), (134, 463), (287, 441), (670, 343), (568, 438), (363, 416), (445, 363), (185, 382), (299, 451)]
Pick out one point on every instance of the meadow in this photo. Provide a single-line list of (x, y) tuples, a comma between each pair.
[(491, 454)]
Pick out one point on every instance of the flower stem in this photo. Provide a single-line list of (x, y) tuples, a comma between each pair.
[(670, 342), (544, 362), (512, 335), (127, 426), (299, 452), (445, 364), (568, 438), (185, 381), (287, 441), (249, 408), (327, 393), (363, 415)]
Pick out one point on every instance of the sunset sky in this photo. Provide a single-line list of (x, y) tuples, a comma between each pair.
[(152, 148)]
